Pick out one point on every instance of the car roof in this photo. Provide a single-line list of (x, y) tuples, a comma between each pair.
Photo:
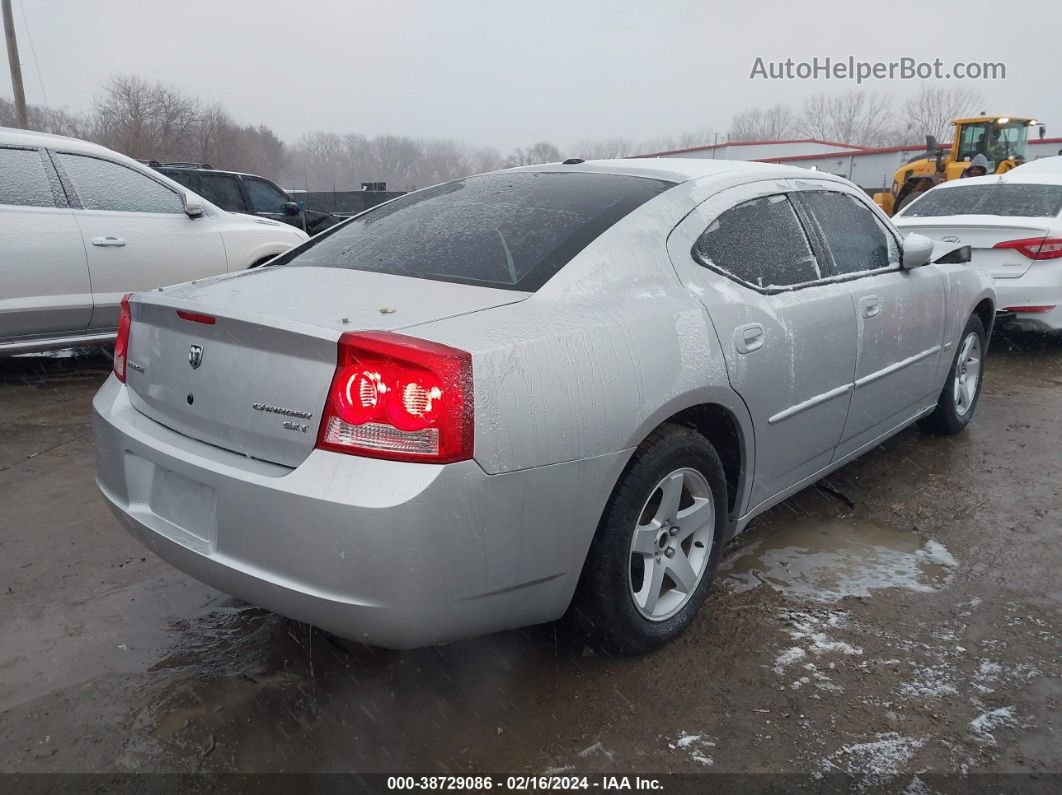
[(1014, 177), (10, 135), (684, 169), (205, 170)]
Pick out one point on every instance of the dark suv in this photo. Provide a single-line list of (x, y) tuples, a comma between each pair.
[(244, 193)]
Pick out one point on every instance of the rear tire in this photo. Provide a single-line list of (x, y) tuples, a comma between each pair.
[(654, 556), (958, 399)]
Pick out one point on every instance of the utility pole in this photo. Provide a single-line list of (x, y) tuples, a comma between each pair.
[(16, 67)]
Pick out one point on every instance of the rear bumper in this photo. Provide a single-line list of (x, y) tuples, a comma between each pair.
[(1040, 285), (1039, 322), (388, 553)]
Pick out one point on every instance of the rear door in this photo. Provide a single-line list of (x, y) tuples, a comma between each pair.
[(135, 231), (788, 335), (44, 278), (899, 314), (224, 191)]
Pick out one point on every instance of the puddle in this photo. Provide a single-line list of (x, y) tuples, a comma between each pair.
[(825, 560), (167, 622)]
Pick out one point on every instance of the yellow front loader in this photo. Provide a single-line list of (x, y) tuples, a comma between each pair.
[(1001, 139)]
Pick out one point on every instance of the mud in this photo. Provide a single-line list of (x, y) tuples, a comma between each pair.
[(916, 632)]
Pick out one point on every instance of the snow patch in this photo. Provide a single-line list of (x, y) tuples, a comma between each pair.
[(986, 723), (931, 681), (695, 745), (788, 657), (877, 761)]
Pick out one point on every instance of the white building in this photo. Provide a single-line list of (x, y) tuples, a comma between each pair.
[(871, 168)]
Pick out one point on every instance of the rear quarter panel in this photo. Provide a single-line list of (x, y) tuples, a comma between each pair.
[(588, 366), (965, 289)]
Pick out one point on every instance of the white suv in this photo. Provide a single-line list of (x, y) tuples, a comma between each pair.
[(81, 225)]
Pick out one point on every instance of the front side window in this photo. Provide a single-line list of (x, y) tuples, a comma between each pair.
[(224, 191), (857, 240), (511, 230), (1003, 199), (759, 242), (265, 198), (106, 185), (23, 179)]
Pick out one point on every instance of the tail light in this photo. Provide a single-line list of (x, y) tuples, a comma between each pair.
[(400, 398), (1028, 308), (121, 343), (1037, 248)]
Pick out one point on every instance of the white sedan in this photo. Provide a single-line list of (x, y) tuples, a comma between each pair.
[(1013, 222), (81, 225)]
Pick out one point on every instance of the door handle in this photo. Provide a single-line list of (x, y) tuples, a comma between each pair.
[(108, 242), (749, 338), (870, 306)]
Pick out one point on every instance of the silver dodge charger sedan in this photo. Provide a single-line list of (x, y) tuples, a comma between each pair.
[(551, 391)]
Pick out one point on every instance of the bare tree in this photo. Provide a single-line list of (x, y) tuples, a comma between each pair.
[(325, 161), (541, 152), (47, 120), (604, 148), (764, 124), (146, 120), (932, 109), (861, 118)]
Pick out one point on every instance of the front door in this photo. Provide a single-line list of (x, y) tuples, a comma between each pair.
[(136, 233), (788, 337)]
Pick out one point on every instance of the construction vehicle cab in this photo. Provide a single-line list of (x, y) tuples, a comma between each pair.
[(1001, 139)]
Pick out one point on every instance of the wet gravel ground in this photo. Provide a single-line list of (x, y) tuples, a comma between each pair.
[(914, 631)]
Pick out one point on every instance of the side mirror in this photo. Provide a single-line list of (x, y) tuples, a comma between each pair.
[(956, 256), (192, 207), (291, 208), (931, 143), (917, 251)]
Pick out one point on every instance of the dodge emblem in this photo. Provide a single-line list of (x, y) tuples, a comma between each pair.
[(195, 355)]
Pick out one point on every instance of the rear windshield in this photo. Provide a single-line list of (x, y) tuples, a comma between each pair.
[(1036, 201), (509, 230)]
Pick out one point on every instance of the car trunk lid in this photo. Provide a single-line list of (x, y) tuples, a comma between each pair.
[(245, 363), (982, 233)]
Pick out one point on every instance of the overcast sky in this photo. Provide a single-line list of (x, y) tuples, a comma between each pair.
[(507, 74)]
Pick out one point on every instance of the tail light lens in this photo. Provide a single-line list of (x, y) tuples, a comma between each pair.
[(400, 398), (121, 343), (1037, 248), (1028, 308)]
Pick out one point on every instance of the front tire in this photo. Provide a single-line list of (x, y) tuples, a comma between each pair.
[(656, 550), (958, 399)]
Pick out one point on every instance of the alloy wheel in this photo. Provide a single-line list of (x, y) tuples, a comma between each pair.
[(672, 543), (967, 374)]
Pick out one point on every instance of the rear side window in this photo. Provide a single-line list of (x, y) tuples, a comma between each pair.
[(222, 190), (857, 239), (510, 230), (105, 185), (1005, 199), (23, 179), (759, 242)]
